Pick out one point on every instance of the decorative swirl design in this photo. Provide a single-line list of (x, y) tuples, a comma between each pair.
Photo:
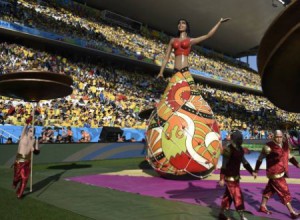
[(183, 135)]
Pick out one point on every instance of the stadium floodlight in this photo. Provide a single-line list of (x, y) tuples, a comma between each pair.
[(285, 2)]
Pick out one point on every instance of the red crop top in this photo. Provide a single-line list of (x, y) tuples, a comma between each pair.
[(181, 47)]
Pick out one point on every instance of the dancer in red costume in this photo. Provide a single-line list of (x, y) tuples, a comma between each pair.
[(277, 154), (27, 144), (233, 156)]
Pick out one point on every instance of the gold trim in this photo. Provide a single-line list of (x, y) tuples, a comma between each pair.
[(267, 150), (22, 158), (232, 178), (276, 176)]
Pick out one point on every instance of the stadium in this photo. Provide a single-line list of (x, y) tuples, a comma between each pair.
[(94, 161)]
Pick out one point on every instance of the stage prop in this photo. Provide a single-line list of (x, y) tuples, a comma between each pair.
[(288, 125), (33, 86), (110, 134), (278, 59), (183, 136), (145, 114)]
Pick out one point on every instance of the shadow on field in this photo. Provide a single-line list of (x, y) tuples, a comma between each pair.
[(69, 166), (146, 167), (47, 182)]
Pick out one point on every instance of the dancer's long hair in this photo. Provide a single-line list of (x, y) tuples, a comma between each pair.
[(188, 30)]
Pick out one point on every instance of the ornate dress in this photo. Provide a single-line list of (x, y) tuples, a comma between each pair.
[(183, 136)]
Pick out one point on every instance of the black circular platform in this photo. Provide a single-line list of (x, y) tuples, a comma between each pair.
[(278, 59), (35, 85), (145, 114)]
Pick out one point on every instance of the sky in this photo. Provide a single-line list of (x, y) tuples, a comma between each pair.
[(252, 61)]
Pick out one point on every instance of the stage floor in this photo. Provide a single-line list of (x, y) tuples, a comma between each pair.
[(126, 189), (205, 192)]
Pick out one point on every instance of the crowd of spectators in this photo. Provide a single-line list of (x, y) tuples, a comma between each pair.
[(70, 21), (110, 95), (102, 95), (105, 95)]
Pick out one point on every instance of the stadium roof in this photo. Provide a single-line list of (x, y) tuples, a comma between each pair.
[(238, 37)]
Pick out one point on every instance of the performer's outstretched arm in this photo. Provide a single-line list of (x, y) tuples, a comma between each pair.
[(166, 59), (262, 155), (24, 130), (248, 166), (210, 33), (293, 160)]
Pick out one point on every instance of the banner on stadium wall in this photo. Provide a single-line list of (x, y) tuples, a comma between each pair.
[(28, 30), (14, 132), (44, 34)]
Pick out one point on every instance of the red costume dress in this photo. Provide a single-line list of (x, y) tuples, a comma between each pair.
[(230, 172), (21, 172), (277, 168)]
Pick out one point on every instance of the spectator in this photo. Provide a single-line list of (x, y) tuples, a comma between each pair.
[(70, 135), (85, 137), (9, 141), (59, 139)]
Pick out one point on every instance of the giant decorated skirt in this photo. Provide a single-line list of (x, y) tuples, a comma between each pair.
[(183, 136)]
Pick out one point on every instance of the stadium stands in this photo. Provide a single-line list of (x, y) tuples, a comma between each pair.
[(107, 94)]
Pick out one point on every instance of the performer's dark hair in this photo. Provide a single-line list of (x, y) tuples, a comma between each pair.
[(237, 137), (188, 30)]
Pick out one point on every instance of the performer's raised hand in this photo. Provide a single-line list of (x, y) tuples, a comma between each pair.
[(221, 183), (222, 20), (160, 75), (28, 120), (254, 174)]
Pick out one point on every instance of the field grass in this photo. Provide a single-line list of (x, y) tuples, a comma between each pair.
[(30, 208), (253, 147), (55, 198), (258, 147)]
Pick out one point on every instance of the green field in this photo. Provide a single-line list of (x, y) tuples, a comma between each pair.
[(55, 198), (254, 147)]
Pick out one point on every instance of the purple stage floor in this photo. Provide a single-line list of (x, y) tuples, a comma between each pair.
[(198, 192), (293, 172)]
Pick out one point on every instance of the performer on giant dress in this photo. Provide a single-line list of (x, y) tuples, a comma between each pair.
[(233, 157), (183, 135), (277, 154), (22, 165)]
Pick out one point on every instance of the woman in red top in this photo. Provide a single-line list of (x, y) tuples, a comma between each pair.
[(182, 45), (183, 136)]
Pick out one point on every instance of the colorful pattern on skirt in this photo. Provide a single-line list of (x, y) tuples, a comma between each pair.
[(183, 136)]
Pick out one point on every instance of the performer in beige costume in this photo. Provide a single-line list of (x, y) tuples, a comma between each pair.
[(22, 165)]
